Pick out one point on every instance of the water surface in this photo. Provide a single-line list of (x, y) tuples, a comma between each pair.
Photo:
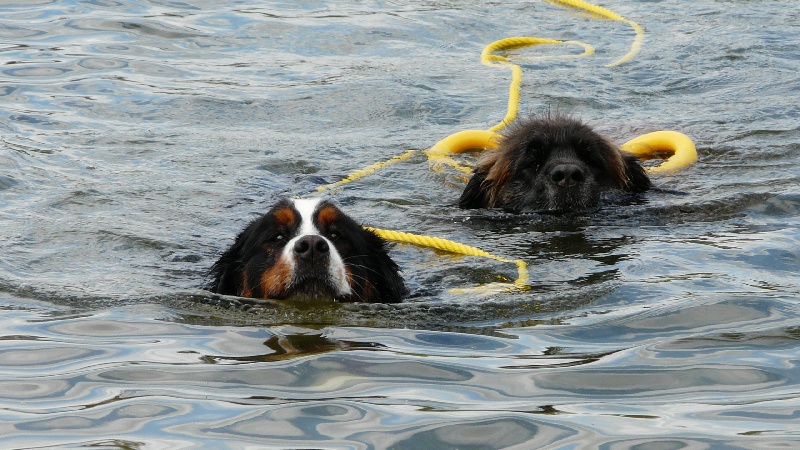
[(138, 137)]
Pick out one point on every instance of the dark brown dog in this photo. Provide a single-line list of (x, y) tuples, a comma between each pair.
[(551, 165)]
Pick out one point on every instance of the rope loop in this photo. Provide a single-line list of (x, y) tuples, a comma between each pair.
[(439, 157)]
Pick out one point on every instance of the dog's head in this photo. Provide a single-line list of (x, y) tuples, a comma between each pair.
[(551, 165), (308, 249)]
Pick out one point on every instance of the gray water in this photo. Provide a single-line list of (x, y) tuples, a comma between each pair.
[(138, 137)]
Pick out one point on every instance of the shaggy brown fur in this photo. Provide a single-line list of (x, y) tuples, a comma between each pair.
[(551, 165)]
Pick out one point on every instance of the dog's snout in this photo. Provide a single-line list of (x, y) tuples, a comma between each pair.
[(310, 247), (567, 175)]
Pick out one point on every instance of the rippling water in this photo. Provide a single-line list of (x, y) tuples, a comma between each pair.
[(137, 138)]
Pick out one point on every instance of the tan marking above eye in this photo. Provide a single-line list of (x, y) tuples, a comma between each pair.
[(285, 217), (327, 215)]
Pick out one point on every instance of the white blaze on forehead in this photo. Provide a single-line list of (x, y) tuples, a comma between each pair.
[(306, 207), (336, 268)]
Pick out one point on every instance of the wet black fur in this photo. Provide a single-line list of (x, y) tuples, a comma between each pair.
[(519, 175)]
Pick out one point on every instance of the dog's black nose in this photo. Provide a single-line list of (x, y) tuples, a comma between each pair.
[(311, 246), (567, 175)]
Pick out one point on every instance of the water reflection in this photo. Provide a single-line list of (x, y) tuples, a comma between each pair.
[(286, 347), (382, 387)]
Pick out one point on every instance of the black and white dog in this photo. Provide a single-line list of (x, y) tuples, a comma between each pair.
[(308, 250)]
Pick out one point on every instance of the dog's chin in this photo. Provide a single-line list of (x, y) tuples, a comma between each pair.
[(569, 204), (310, 289), (558, 201), (570, 211)]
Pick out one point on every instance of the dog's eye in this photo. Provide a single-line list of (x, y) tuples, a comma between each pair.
[(279, 237), (333, 235), (528, 173)]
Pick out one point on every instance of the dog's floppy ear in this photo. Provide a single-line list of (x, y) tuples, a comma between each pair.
[(389, 285), (226, 273), (475, 195), (638, 181)]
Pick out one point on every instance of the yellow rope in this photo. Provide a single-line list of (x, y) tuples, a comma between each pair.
[(454, 247), (604, 13), (489, 59), (361, 173), (653, 145), (440, 153)]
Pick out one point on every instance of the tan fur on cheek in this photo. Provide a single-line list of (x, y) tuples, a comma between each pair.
[(276, 279), (369, 290), (246, 292), (497, 166), (616, 165), (348, 276)]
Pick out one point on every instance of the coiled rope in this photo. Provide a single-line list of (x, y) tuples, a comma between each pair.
[(439, 154), (488, 58)]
